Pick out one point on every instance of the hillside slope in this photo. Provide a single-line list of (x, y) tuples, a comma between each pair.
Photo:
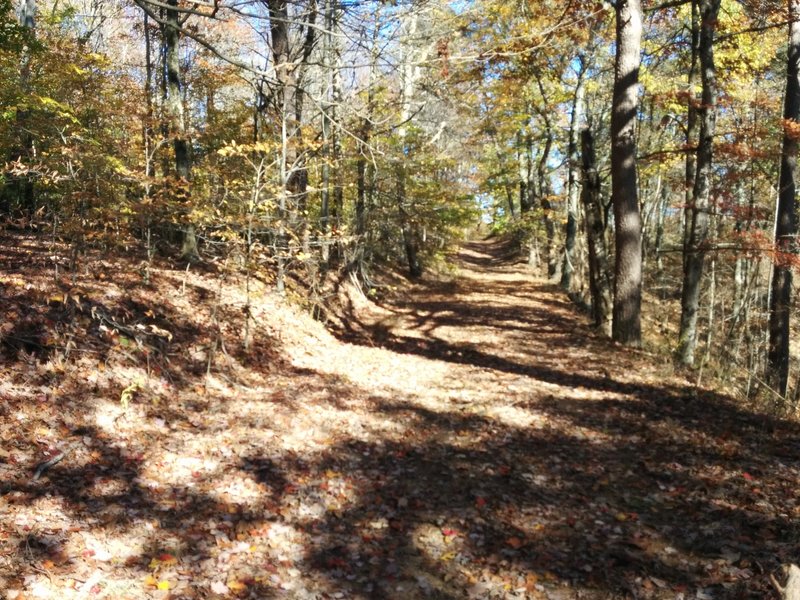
[(468, 438)]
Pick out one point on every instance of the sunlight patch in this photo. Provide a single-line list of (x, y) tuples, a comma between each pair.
[(185, 470)]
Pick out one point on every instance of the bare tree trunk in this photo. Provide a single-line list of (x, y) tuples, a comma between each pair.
[(362, 167), (599, 280), (700, 208), (177, 126), (571, 228), (524, 163), (410, 76), (626, 326), (18, 191), (661, 209), (289, 99), (543, 183), (691, 131), (785, 219), (510, 199)]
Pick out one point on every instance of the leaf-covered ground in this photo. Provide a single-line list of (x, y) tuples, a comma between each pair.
[(464, 439)]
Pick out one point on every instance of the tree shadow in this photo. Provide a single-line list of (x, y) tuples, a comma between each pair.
[(640, 490)]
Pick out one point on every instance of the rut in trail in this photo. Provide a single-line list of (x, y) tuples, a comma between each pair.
[(465, 439)]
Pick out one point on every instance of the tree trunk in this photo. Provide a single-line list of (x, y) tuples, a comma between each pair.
[(19, 189), (410, 76), (543, 182), (510, 199), (691, 130), (362, 167), (700, 208), (286, 98), (661, 209), (599, 281), (177, 126), (626, 326), (785, 219), (571, 228)]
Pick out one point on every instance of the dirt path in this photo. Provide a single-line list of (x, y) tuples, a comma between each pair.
[(468, 439)]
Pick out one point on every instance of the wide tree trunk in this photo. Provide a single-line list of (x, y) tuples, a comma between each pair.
[(626, 326), (700, 207), (785, 219)]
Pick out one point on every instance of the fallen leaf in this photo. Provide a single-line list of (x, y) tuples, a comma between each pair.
[(236, 586)]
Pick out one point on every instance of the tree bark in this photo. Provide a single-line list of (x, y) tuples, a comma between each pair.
[(19, 190), (177, 125), (362, 167), (691, 129), (626, 326), (285, 100), (785, 219), (571, 227), (700, 207), (599, 280), (409, 228)]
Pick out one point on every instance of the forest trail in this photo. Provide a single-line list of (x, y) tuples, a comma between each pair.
[(470, 438)]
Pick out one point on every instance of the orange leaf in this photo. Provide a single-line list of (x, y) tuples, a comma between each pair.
[(514, 542)]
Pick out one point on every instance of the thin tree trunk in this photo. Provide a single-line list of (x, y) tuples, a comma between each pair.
[(409, 228), (19, 191), (785, 220), (571, 228), (691, 130), (524, 163), (510, 199), (286, 98), (543, 182), (696, 250), (362, 195), (626, 326), (177, 126), (599, 280), (660, 214)]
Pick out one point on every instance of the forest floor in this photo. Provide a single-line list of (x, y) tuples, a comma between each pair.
[(470, 438)]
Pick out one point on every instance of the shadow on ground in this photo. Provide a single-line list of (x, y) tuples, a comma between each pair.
[(649, 491)]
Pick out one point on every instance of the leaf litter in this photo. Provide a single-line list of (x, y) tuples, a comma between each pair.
[(469, 438)]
